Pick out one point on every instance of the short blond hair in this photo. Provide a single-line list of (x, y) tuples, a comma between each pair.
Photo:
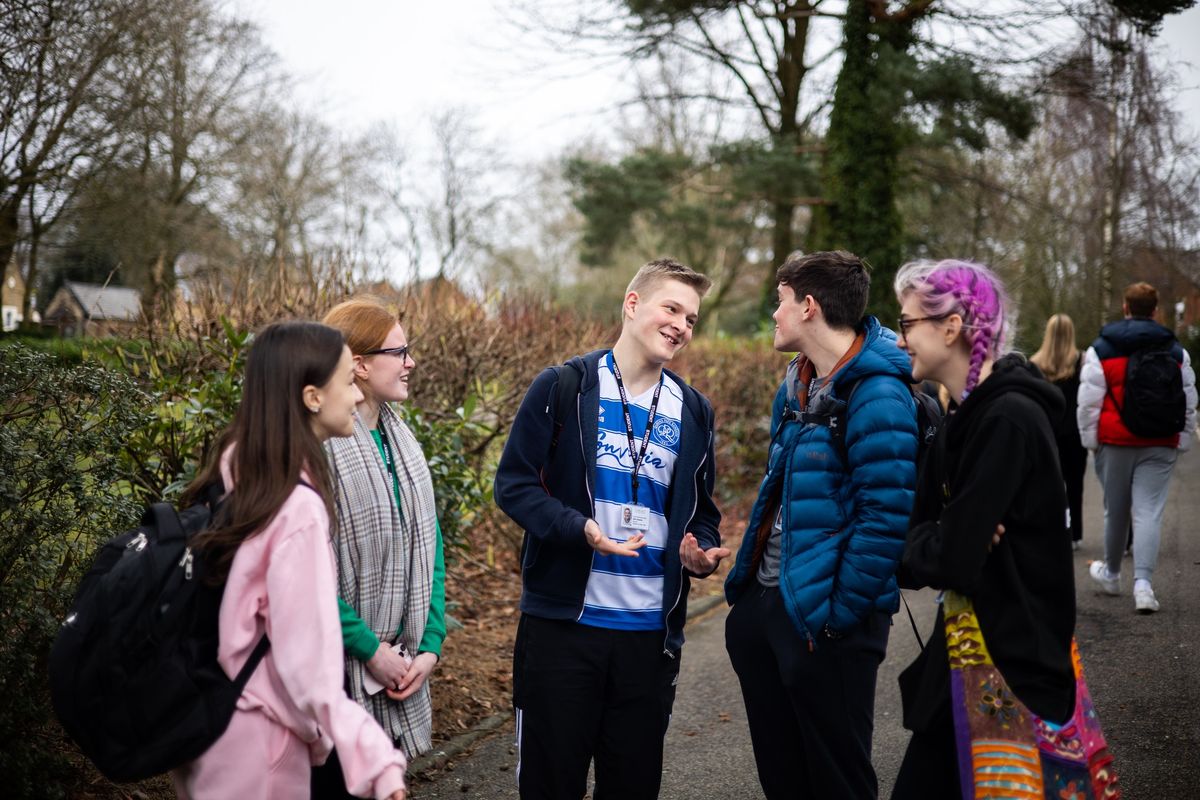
[(655, 272)]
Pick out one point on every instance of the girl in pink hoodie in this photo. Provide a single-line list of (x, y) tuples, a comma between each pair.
[(273, 547)]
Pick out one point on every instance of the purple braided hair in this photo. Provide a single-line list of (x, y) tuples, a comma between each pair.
[(965, 288)]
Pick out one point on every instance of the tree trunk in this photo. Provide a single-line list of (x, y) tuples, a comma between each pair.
[(10, 233), (31, 275), (1114, 170), (864, 150)]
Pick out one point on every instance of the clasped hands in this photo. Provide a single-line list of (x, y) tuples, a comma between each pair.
[(401, 677)]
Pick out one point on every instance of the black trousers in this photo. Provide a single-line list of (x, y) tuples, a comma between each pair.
[(1072, 458), (584, 693), (930, 767), (811, 712), (327, 781)]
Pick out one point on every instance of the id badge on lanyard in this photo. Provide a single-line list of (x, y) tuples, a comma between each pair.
[(635, 516)]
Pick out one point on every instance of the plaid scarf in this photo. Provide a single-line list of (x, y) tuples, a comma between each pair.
[(385, 559)]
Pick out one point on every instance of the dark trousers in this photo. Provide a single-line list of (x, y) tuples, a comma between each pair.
[(930, 767), (327, 780), (584, 693), (811, 711), (1072, 458)]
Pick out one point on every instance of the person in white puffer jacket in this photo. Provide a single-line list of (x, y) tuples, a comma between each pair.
[(1134, 465)]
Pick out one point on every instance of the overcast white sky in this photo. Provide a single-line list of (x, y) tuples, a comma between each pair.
[(397, 61)]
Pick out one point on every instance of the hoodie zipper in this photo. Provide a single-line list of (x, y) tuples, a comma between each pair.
[(695, 502), (586, 482)]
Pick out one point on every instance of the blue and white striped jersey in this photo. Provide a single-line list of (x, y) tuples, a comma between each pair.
[(622, 592)]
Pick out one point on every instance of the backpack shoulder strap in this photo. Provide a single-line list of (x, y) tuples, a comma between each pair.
[(256, 655), (837, 423), (566, 390)]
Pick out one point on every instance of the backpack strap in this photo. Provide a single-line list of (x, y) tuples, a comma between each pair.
[(911, 620), (566, 390), (1109, 392), (256, 655)]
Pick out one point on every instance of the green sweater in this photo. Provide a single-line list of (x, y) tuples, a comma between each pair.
[(360, 641)]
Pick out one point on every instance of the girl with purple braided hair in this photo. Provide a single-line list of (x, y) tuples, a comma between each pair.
[(989, 515), (938, 292)]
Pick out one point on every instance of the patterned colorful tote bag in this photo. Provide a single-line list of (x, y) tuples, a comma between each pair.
[(1006, 751)]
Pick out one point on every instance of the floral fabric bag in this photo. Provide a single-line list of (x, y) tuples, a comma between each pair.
[(1004, 749)]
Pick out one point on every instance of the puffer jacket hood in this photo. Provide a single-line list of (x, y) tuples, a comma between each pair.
[(1129, 335), (879, 356)]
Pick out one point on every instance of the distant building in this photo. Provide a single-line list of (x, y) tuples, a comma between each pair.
[(87, 309), (1175, 272), (12, 297)]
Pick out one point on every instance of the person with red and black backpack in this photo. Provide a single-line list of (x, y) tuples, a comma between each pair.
[(1137, 412)]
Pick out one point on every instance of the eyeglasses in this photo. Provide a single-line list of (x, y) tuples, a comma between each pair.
[(399, 352), (903, 324)]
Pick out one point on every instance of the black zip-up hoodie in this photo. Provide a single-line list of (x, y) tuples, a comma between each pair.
[(995, 461), (553, 502)]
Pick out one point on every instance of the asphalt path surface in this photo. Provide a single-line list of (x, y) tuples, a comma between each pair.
[(1142, 670)]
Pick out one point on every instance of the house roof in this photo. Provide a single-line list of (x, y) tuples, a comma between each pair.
[(106, 302)]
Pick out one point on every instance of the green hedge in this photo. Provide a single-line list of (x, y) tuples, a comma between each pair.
[(62, 492)]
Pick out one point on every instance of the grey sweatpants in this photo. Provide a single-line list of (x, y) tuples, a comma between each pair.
[(1135, 482)]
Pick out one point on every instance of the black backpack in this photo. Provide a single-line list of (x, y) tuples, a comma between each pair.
[(134, 676), (1155, 406)]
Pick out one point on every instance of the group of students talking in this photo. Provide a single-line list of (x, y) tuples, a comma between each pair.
[(332, 544)]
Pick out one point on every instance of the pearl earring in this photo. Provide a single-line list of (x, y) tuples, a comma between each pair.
[(316, 410)]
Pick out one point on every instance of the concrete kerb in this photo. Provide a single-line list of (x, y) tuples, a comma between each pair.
[(463, 742)]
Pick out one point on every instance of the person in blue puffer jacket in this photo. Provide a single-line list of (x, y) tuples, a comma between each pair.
[(814, 588)]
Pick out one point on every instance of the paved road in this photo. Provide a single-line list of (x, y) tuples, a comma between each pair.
[(1143, 672)]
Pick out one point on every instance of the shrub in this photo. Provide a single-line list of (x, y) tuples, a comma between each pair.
[(61, 494), (739, 376), (473, 368), (194, 383)]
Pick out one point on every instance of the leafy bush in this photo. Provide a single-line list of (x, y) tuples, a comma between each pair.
[(62, 492), (739, 376), (462, 491), (194, 384)]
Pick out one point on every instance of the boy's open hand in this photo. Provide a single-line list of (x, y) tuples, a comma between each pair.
[(697, 561), (602, 544)]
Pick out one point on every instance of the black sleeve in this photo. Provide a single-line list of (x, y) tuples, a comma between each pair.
[(519, 489), (949, 552)]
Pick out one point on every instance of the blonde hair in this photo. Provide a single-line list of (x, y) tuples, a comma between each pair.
[(364, 321), (655, 272), (1057, 356)]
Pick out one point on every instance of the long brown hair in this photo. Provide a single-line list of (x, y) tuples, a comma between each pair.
[(271, 436), (1058, 354)]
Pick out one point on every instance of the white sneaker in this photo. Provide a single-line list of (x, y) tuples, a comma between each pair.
[(1144, 600), (1109, 583)]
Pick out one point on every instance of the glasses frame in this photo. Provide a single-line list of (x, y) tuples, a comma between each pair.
[(401, 352), (903, 325)]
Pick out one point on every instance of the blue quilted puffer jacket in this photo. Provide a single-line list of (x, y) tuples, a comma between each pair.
[(844, 519)]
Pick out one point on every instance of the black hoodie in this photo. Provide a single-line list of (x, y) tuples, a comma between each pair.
[(995, 461)]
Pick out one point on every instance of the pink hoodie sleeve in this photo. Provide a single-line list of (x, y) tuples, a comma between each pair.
[(306, 646)]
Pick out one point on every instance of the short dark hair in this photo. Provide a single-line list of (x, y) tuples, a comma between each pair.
[(1142, 299), (836, 279)]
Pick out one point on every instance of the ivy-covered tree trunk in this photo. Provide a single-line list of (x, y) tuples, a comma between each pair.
[(864, 147)]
